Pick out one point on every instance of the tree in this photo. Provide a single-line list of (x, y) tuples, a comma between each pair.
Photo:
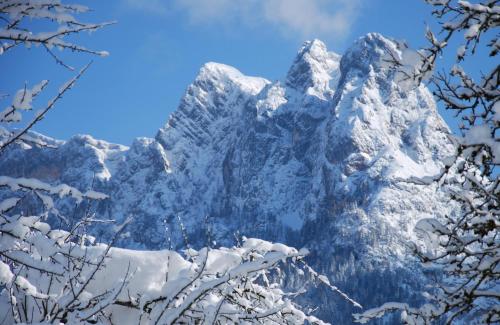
[(45, 274), (466, 246), (35, 261)]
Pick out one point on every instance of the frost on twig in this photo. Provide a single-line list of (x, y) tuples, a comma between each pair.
[(17, 28), (16, 17), (12, 113)]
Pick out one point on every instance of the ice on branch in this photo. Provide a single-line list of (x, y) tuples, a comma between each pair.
[(16, 14), (17, 28)]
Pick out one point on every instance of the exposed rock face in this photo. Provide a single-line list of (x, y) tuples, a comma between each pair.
[(315, 160)]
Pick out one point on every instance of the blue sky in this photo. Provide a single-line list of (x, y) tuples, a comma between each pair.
[(157, 48)]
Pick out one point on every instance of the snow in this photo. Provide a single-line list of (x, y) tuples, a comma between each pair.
[(8, 204), (5, 274), (431, 225), (18, 30), (275, 98), (379, 312), (472, 32), (61, 190), (29, 289), (46, 200), (481, 135), (461, 51), (496, 111), (476, 6), (314, 70), (23, 100), (221, 73)]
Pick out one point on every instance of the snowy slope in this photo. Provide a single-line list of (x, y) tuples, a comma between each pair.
[(313, 160)]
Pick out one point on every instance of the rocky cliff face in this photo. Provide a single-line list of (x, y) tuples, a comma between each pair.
[(314, 160)]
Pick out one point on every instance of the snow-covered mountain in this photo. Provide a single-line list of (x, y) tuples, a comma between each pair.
[(314, 160)]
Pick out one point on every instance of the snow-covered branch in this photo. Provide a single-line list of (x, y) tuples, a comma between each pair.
[(14, 14), (17, 28), (11, 114)]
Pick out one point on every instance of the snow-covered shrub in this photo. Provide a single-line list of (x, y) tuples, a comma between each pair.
[(54, 276)]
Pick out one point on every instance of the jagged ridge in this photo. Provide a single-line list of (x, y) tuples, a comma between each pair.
[(313, 160)]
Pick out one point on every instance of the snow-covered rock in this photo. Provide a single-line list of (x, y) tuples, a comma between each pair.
[(318, 160)]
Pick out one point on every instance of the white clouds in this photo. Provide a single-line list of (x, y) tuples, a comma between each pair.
[(311, 18), (294, 18), (150, 6), (209, 11)]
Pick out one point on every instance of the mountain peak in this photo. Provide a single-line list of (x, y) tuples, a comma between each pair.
[(220, 75), (315, 48), (373, 41), (313, 69), (214, 70), (367, 51)]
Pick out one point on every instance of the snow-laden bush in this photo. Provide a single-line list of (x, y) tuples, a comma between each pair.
[(47, 276)]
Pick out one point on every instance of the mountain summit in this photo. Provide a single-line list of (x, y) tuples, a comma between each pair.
[(316, 160), (313, 70)]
